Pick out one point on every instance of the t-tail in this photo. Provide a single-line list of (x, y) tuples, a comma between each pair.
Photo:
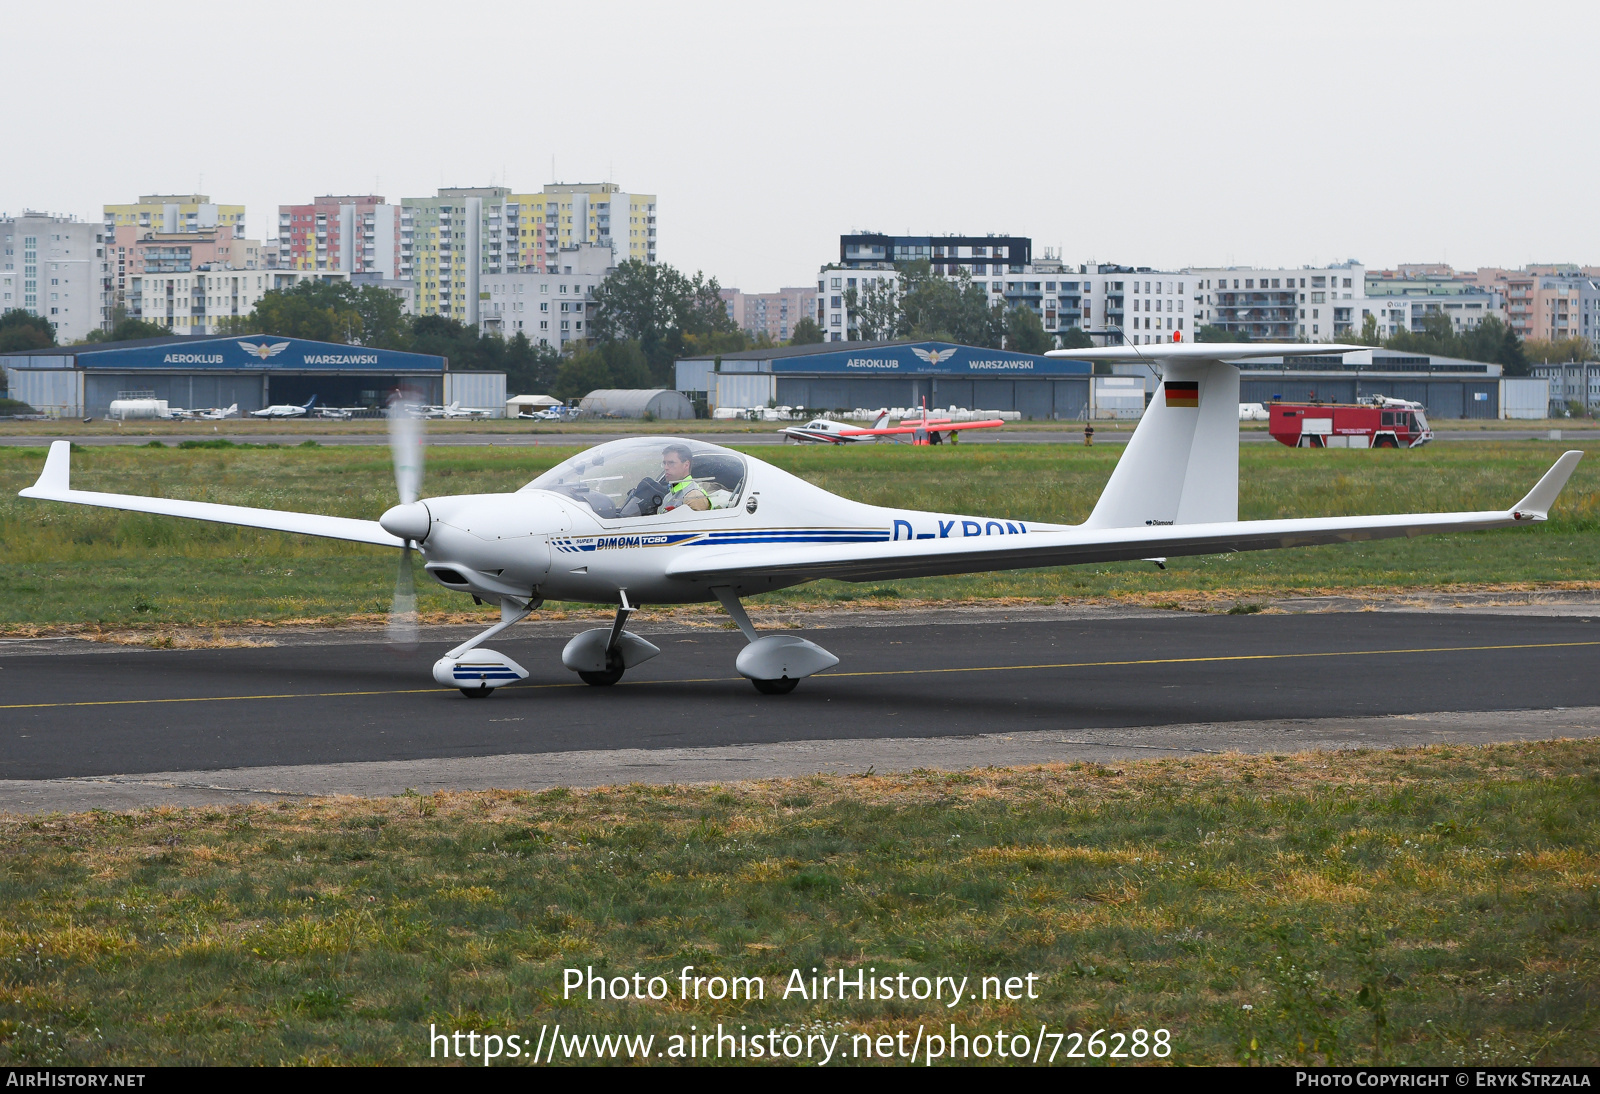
[(1182, 464)]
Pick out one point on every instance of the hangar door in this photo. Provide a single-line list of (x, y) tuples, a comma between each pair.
[(348, 389)]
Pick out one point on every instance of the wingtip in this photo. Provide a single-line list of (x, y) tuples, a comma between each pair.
[(1538, 502), (57, 474)]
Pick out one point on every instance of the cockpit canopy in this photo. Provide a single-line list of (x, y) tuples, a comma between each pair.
[(623, 479)]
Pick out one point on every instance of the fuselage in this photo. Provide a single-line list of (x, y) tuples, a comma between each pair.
[(547, 542)]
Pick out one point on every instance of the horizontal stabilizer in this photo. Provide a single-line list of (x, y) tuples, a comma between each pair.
[(1156, 353)]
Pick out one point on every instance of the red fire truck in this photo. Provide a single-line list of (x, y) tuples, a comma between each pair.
[(1380, 422)]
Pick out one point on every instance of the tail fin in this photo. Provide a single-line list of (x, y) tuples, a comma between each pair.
[(882, 419), (311, 402), (1182, 464)]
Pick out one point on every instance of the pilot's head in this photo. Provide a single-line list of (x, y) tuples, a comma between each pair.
[(675, 462)]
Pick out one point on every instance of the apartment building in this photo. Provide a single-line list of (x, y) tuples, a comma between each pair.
[(772, 313), (1003, 267), (358, 234), (1282, 305), (449, 242), (56, 268), (1407, 301), (175, 213), (174, 233), (552, 308), (442, 247), (204, 300)]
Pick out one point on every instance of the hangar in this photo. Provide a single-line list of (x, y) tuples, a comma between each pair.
[(845, 375), (255, 371)]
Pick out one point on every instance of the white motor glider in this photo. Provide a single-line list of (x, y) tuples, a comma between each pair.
[(618, 524)]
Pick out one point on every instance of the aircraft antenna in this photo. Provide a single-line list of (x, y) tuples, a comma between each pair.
[(1147, 362)]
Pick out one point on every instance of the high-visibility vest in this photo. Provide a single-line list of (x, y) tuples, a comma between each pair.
[(681, 487)]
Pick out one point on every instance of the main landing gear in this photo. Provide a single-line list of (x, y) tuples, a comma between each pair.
[(602, 655), (776, 663)]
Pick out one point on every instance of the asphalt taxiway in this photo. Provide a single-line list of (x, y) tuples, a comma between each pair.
[(84, 725)]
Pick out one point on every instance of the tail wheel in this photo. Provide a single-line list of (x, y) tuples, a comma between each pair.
[(776, 687)]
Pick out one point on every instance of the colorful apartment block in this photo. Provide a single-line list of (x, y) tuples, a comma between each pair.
[(358, 234), (173, 234), (449, 242)]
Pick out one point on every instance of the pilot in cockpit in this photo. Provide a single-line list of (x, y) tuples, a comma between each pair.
[(681, 487)]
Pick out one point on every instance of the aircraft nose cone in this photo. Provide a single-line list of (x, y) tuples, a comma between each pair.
[(407, 521)]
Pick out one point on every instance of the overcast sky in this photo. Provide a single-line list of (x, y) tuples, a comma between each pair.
[(1145, 133)]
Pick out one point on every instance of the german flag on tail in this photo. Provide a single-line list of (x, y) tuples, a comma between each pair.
[(1182, 392)]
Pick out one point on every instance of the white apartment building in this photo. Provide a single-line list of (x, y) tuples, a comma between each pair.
[(1122, 305), (1284, 305), (56, 267), (200, 301), (551, 309)]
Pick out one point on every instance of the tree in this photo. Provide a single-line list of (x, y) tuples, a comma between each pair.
[(806, 332), (22, 331), (1558, 349), (444, 337), (607, 365), (1075, 338), (1491, 340), (947, 309), (126, 329), (383, 319), (658, 308), (1210, 333), (874, 310), (318, 310), (1024, 332), (530, 369)]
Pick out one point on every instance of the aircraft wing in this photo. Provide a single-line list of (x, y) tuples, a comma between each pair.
[(976, 554), (932, 427), (55, 485)]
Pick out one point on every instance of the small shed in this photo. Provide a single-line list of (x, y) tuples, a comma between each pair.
[(519, 404), (659, 403)]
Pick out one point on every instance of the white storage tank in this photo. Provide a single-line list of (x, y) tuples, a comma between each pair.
[(128, 409)]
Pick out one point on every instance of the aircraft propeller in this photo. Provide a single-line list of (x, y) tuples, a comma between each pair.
[(405, 446)]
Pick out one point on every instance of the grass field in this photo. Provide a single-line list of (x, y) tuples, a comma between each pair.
[(1435, 905), (73, 566)]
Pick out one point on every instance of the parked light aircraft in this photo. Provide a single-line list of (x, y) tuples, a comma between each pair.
[(339, 413), (217, 414), (601, 526), (455, 410), (923, 430), (284, 410)]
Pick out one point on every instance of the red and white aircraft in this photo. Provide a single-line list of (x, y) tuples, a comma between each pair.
[(923, 430)]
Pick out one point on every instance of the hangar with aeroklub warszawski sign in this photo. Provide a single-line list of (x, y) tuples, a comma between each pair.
[(254, 371), (842, 375)]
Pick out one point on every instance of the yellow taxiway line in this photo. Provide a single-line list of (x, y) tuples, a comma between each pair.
[(834, 675)]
